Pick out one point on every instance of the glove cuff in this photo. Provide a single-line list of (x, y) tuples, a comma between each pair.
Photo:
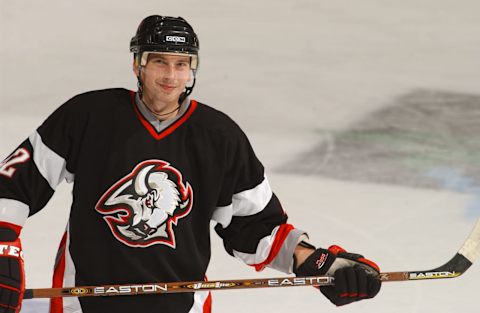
[(317, 263)]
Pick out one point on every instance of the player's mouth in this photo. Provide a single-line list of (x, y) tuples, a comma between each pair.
[(167, 88)]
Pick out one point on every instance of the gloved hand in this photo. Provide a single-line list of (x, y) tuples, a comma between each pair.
[(356, 278), (12, 275)]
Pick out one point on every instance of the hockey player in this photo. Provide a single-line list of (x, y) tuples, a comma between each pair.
[(150, 170)]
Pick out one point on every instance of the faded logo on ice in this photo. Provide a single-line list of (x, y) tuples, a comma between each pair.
[(142, 207)]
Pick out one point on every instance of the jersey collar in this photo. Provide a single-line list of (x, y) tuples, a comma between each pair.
[(156, 128)]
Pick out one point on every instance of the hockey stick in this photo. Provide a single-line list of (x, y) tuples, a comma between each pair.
[(462, 260)]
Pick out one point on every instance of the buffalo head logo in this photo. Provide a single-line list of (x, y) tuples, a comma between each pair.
[(142, 207)]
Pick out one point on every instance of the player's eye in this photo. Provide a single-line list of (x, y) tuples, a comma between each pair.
[(159, 61)]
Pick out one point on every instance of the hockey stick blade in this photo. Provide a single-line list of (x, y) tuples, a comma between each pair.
[(463, 259)]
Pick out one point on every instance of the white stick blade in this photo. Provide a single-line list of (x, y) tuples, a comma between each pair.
[(471, 247)]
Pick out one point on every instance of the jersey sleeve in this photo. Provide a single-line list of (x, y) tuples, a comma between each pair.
[(249, 216), (30, 174)]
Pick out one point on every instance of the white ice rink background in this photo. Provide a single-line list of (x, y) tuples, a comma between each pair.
[(303, 78)]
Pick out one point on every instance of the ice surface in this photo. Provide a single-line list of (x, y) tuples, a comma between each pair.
[(295, 74)]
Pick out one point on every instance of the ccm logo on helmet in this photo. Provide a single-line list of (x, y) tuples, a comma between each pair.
[(175, 39)]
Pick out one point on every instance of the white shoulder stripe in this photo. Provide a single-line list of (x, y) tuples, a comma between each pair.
[(253, 201), (245, 203), (13, 211), (50, 164)]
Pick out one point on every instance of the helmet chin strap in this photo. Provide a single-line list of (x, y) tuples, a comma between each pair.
[(188, 90), (139, 82), (140, 87)]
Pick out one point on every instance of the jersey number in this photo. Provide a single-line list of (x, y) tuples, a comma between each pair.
[(7, 167)]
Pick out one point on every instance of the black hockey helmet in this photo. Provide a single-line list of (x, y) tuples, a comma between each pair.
[(165, 34)]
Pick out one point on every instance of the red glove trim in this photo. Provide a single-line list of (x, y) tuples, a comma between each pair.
[(16, 228), (369, 263), (17, 244), (10, 288), (336, 249), (9, 307), (348, 295), (353, 295)]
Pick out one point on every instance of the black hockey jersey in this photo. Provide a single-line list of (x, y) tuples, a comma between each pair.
[(143, 199)]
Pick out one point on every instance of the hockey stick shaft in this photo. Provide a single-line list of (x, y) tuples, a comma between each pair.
[(177, 287), (193, 286), (455, 267)]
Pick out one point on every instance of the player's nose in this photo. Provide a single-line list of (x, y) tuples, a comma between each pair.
[(169, 73)]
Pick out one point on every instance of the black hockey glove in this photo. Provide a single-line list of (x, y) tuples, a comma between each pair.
[(12, 276), (356, 278)]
